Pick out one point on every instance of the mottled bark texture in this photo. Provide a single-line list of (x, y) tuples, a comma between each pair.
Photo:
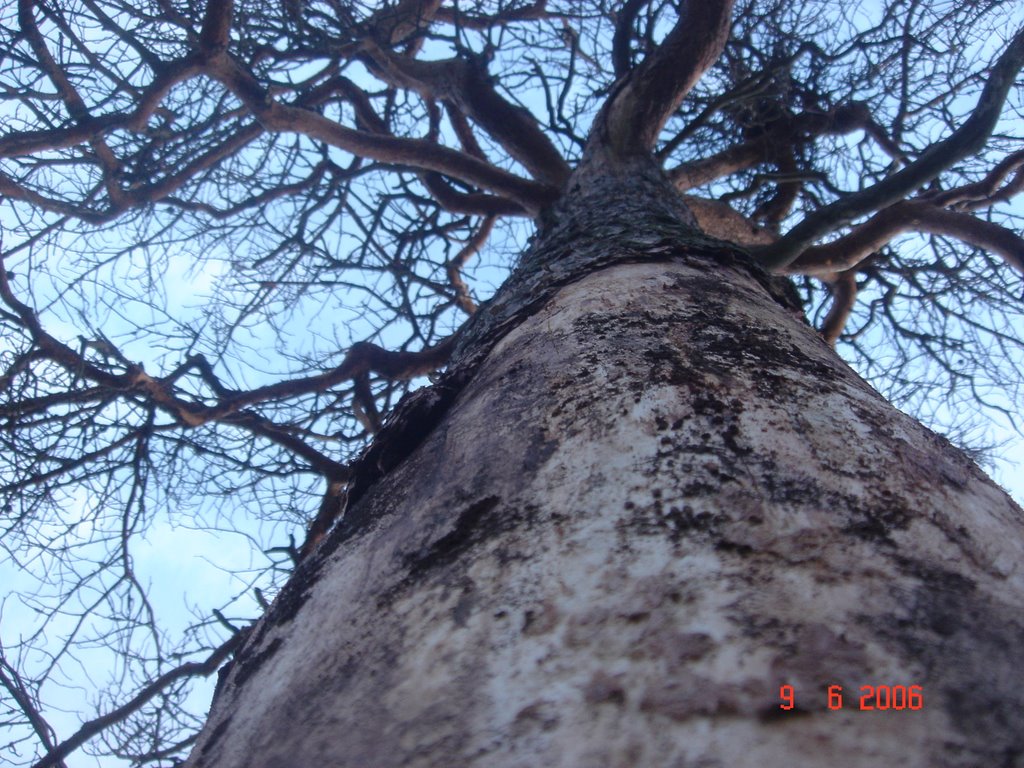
[(644, 496)]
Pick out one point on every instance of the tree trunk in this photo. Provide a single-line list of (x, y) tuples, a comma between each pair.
[(644, 496)]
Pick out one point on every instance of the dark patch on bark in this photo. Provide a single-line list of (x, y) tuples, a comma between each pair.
[(407, 427), (540, 621), (297, 590), (464, 607), (877, 523), (602, 688), (542, 715), (284, 608), (474, 524), (687, 695), (657, 518), (682, 522), (948, 618), (215, 736), (668, 367), (725, 545), (728, 344), (248, 664), (729, 435), (541, 449), (773, 713), (874, 522), (697, 488), (813, 656)]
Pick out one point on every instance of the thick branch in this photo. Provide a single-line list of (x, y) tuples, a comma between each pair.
[(398, 23), (987, 191), (447, 196), (844, 296), (14, 191), (622, 39), (27, 142), (635, 113), (977, 232), (790, 133), (474, 203), (538, 10), (417, 153), (707, 169), (909, 216), (467, 85), (216, 26)]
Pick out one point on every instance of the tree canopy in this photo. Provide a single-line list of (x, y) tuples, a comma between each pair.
[(234, 236)]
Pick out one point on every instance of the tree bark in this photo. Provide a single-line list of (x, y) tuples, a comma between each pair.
[(644, 496)]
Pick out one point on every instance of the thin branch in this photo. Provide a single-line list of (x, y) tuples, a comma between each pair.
[(454, 267), (361, 359), (11, 680), (205, 668)]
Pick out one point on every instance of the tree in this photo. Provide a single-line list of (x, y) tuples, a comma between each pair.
[(640, 495)]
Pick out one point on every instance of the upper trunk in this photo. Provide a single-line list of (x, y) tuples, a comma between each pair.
[(644, 496)]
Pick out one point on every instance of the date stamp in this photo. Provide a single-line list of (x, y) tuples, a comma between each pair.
[(870, 697)]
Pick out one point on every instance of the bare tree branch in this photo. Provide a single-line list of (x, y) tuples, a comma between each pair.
[(12, 682), (846, 252), (967, 140), (987, 191), (90, 729), (213, 37), (622, 39), (454, 267), (465, 84), (417, 153), (844, 295), (218, 204), (536, 10), (636, 112)]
